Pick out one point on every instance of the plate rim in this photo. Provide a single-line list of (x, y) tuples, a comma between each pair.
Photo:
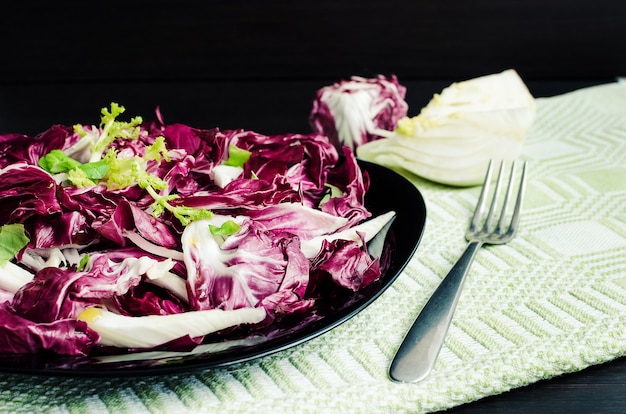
[(201, 361)]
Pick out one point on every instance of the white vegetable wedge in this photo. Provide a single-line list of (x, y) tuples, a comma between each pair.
[(453, 138), (150, 331), (370, 228), (13, 277)]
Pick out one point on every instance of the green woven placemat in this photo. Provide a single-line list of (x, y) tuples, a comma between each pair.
[(550, 302)]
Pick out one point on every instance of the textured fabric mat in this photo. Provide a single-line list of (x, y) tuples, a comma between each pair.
[(550, 302)]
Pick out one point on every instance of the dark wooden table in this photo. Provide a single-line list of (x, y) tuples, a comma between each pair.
[(598, 389)]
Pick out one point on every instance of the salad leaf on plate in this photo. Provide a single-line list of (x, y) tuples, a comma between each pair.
[(159, 226)]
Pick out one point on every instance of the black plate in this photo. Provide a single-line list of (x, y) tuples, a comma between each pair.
[(388, 191)]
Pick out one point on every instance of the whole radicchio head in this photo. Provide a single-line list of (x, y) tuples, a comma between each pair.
[(356, 111)]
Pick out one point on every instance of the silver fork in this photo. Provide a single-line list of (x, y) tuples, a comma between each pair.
[(418, 352)]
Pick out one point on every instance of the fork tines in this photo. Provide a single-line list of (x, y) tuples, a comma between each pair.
[(516, 183)]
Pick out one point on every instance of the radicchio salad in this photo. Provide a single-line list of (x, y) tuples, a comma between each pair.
[(141, 235)]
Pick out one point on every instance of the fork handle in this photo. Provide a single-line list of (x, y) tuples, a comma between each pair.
[(417, 354)]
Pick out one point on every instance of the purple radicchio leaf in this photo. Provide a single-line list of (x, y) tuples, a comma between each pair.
[(26, 190), (19, 335), (249, 267), (359, 110)]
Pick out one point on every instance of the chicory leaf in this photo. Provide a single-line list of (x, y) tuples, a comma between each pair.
[(57, 161), (12, 240), (237, 157), (83, 263), (228, 228), (80, 175), (95, 170)]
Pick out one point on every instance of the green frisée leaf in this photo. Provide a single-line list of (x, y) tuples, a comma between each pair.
[(126, 171), (110, 130), (79, 178), (157, 150), (237, 157), (12, 240), (184, 214)]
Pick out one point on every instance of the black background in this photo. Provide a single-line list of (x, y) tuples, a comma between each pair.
[(257, 64)]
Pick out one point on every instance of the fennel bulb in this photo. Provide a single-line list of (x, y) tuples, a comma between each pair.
[(453, 138)]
